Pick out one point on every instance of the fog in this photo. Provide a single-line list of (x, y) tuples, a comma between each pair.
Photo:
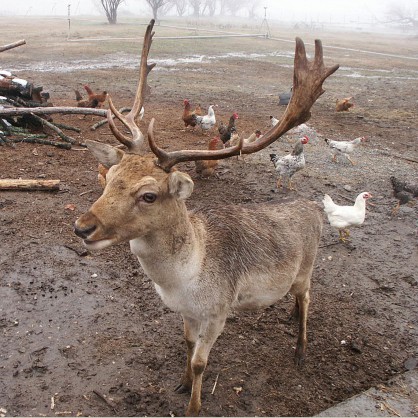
[(327, 11)]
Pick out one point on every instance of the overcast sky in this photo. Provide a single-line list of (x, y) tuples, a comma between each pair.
[(325, 10)]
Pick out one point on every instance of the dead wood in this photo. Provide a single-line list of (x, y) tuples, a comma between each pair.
[(19, 111), (402, 157), (12, 45), (61, 134), (68, 127), (34, 139), (103, 122), (28, 185)]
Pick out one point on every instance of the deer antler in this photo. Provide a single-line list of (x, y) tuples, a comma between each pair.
[(166, 160), (308, 78), (134, 144)]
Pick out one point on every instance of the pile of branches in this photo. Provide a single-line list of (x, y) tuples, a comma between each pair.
[(25, 112)]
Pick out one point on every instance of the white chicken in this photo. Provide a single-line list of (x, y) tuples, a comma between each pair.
[(343, 217), (207, 122), (288, 165), (344, 147)]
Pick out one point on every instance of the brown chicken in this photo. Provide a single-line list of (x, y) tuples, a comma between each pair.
[(100, 97), (342, 105), (189, 115), (206, 168), (85, 102), (225, 131)]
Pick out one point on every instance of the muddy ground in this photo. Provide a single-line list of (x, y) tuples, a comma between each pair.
[(86, 334)]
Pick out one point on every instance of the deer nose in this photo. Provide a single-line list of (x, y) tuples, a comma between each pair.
[(84, 232)]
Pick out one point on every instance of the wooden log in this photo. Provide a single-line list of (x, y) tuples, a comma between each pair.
[(52, 110), (28, 185), (12, 45)]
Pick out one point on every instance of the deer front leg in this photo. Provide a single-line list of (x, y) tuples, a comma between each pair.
[(191, 333), (303, 303), (209, 332)]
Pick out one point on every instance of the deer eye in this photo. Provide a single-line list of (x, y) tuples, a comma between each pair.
[(149, 197)]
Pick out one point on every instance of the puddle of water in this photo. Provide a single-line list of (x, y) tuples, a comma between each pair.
[(131, 61)]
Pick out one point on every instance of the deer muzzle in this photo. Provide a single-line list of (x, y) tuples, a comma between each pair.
[(88, 228), (84, 232)]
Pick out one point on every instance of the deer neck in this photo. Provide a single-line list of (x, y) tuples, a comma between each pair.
[(172, 253)]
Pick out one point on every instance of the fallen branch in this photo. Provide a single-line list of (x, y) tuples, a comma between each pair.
[(104, 121), (413, 160), (35, 140), (102, 397), (52, 110), (214, 385), (68, 127), (21, 184), (55, 129), (12, 45)]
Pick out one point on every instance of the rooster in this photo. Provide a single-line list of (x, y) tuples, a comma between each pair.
[(288, 165), (343, 105), (344, 147), (343, 217), (100, 97), (206, 168), (225, 131), (189, 115), (206, 122), (93, 103), (403, 192)]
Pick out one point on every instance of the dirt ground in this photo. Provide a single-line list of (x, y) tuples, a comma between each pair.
[(84, 334)]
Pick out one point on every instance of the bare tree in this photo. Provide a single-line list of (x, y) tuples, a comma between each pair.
[(181, 6), (398, 13), (158, 5), (252, 8), (234, 6), (195, 4), (111, 9), (222, 4), (211, 6)]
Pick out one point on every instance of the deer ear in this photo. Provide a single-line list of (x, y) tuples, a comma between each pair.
[(180, 185), (106, 154)]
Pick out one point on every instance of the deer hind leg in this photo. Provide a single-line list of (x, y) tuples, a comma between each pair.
[(294, 314), (302, 301), (208, 334), (300, 289)]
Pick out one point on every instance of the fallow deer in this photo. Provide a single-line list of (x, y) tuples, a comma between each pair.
[(206, 263)]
